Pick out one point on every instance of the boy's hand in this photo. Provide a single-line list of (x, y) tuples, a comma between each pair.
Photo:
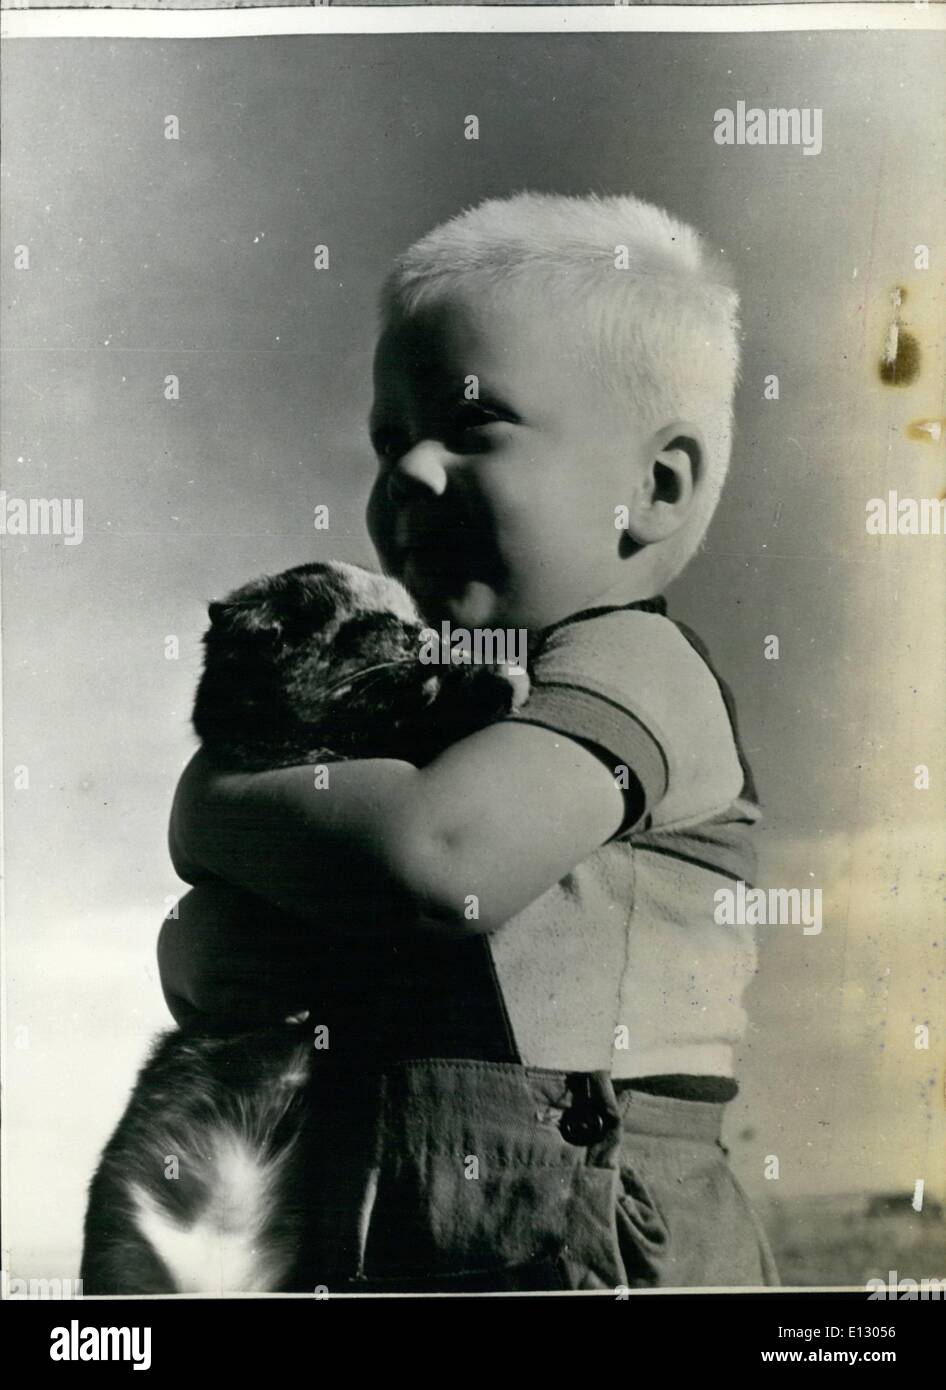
[(229, 956)]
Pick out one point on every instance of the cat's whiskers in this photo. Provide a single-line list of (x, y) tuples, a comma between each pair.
[(356, 676)]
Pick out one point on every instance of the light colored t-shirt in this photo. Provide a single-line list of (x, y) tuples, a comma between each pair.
[(622, 963)]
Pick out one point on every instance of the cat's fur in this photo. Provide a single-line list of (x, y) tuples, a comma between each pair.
[(207, 1184)]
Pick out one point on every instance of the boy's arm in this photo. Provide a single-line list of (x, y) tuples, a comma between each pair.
[(484, 829)]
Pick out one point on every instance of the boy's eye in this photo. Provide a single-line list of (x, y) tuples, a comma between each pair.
[(471, 415), (455, 428)]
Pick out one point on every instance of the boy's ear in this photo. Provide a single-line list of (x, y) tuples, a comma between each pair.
[(673, 469)]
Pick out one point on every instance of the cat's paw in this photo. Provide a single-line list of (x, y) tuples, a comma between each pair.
[(497, 688), (517, 679)]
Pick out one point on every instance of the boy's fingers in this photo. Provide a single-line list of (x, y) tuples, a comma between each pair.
[(172, 965), (228, 954)]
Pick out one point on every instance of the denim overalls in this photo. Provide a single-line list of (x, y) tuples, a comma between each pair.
[(472, 1173)]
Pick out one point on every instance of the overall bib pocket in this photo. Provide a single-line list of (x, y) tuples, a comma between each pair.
[(472, 1177)]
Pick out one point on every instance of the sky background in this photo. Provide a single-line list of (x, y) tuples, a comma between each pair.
[(151, 257)]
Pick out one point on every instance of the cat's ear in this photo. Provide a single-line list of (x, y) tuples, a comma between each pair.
[(253, 618)]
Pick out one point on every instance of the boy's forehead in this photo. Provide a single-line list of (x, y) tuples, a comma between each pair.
[(497, 336), (446, 326)]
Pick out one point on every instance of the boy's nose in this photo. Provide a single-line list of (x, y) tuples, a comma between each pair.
[(425, 465)]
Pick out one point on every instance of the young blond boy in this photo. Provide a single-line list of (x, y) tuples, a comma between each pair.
[(552, 416)]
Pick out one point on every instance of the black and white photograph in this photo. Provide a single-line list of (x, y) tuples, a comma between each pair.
[(474, 661)]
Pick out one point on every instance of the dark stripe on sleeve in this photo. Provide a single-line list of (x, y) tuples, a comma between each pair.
[(594, 719)]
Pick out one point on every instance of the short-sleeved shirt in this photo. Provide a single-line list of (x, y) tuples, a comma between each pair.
[(622, 964)]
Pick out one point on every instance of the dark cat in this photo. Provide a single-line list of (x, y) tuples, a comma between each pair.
[(208, 1183)]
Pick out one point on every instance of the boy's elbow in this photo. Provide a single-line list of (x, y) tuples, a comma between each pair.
[(428, 869)]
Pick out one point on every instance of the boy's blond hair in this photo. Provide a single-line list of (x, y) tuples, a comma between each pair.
[(661, 321)]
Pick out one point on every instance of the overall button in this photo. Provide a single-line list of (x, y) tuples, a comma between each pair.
[(582, 1127), (594, 1110)]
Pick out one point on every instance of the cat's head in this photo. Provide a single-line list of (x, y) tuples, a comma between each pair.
[(294, 658)]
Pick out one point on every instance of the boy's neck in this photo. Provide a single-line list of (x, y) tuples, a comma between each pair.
[(656, 604)]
